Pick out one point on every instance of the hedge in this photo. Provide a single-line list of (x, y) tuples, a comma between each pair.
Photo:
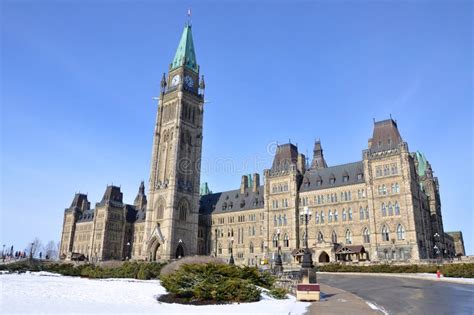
[(451, 270), (134, 270)]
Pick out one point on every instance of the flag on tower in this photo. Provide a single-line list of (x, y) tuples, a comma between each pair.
[(189, 12)]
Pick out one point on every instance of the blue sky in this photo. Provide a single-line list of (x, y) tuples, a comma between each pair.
[(78, 78)]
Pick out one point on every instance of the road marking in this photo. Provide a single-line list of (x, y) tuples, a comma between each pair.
[(376, 307)]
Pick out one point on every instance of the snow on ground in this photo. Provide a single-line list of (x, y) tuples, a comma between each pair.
[(42, 292)]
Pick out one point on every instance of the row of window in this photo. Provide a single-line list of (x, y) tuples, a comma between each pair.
[(277, 204), (332, 198), (230, 204), (282, 187), (382, 189), (365, 235), (400, 235), (332, 180), (347, 215), (386, 170), (389, 209), (241, 218), (280, 220)]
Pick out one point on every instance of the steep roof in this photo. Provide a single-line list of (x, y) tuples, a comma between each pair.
[(385, 136), (286, 155), (315, 179), (422, 163), (185, 54), (232, 200), (318, 156)]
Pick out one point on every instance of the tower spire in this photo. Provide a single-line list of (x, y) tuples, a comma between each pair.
[(185, 54), (318, 156)]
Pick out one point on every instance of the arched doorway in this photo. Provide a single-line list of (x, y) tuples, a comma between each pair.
[(323, 257), (153, 249), (180, 251)]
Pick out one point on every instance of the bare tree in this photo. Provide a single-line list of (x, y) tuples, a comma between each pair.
[(34, 247), (50, 250)]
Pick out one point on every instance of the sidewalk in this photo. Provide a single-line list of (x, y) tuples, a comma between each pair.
[(421, 276), (337, 301)]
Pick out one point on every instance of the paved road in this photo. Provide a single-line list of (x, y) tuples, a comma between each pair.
[(407, 296)]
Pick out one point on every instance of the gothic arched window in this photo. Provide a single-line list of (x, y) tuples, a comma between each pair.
[(366, 235), (397, 208), (320, 237), (385, 234), (160, 211), (330, 216), (350, 214), (334, 237), (344, 215), (348, 237), (390, 209), (183, 210), (286, 241), (251, 248), (400, 232), (275, 240), (384, 210), (361, 213)]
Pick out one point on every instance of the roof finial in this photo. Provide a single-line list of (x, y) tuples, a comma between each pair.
[(189, 17)]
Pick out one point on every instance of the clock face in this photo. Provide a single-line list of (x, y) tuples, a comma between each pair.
[(189, 81), (175, 80)]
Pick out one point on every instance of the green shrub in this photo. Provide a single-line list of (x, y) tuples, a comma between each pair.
[(216, 282), (278, 293)]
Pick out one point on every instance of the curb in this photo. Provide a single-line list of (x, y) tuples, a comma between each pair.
[(443, 279), (361, 305)]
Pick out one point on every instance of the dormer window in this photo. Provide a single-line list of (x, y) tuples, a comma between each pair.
[(332, 180), (345, 179)]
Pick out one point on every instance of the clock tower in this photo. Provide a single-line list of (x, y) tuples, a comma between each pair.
[(171, 226)]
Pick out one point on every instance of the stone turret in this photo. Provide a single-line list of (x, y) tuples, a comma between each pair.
[(318, 156), (140, 200)]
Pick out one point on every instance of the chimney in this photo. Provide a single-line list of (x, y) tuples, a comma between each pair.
[(256, 182), (301, 163), (244, 184)]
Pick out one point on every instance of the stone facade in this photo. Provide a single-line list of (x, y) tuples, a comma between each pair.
[(458, 243), (384, 207)]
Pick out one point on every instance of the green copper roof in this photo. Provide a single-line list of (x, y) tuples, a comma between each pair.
[(185, 53), (421, 163)]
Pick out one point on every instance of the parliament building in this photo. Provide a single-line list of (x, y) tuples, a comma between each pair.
[(385, 207)]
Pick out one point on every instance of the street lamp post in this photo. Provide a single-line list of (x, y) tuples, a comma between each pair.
[(129, 254), (307, 257), (436, 248), (231, 260), (278, 260)]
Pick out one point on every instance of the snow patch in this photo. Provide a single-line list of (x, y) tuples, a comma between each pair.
[(48, 293)]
